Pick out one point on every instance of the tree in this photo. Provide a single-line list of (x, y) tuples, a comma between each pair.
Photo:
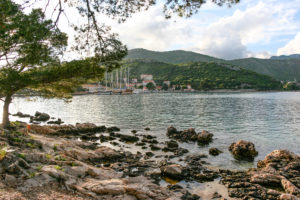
[(30, 49), (165, 87), (150, 86)]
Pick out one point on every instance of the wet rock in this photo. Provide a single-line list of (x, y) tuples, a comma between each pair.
[(276, 174), (214, 151), (112, 129), (147, 129), (154, 147), (127, 138), (58, 122), (134, 131), (21, 115), (243, 150), (140, 144), (173, 171), (172, 144), (38, 116), (188, 196), (205, 137), (149, 154)]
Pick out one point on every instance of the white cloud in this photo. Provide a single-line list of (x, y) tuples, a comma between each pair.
[(228, 37), (292, 47)]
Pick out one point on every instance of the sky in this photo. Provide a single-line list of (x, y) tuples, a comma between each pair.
[(252, 28)]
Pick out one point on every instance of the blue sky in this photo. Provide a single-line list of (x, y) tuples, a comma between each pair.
[(252, 28)]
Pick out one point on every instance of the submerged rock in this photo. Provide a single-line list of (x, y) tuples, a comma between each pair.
[(243, 150), (189, 135), (214, 151)]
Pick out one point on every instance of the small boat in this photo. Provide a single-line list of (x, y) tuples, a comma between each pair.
[(127, 91), (104, 92), (116, 91)]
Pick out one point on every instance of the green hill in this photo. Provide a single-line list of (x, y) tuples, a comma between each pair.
[(174, 57), (287, 69), (204, 75), (280, 69)]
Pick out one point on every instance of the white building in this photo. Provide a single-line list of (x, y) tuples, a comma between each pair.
[(147, 77), (92, 88)]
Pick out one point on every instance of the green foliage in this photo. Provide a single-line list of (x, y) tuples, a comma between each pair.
[(150, 86), (204, 75), (165, 87), (22, 155), (2, 154)]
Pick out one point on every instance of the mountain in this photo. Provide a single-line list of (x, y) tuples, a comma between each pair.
[(288, 69), (204, 75), (284, 57), (280, 69), (173, 57)]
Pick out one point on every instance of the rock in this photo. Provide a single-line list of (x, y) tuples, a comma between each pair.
[(216, 195), (58, 122), (214, 151), (171, 131), (288, 197), (134, 131), (112, 129), (21, 115), (154, 147), (85, 125), (10, 180), (41, 117), (44, 130), (279, 171), (173, 171), (147, 129), (127, 138), (243, 150), (172, 144), (205, 137)]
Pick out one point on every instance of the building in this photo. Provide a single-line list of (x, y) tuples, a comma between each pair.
[(145, 82), (147, 77), (91, 88), (134, 80), (168, 83)]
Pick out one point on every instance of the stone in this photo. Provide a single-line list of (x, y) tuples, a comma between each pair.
[(172, 144), (214, 151), (288, 197), (44, 130), (41, 116), (10, 180), (205, 137), (243, 150), (172, 171)]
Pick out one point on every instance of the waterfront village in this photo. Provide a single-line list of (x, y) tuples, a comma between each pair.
[(146, 84)]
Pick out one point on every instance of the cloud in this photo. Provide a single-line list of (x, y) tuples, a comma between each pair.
[(292, 47), (229, 37)]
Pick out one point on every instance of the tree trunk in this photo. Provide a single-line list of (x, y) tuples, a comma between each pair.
[(5, 118)]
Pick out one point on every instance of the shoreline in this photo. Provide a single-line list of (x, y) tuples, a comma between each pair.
[(117, 174)]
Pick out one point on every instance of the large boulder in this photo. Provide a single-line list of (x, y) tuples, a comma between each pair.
[(243, 150), (205, 137)]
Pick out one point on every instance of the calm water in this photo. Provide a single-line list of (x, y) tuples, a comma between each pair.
[(270, 120)]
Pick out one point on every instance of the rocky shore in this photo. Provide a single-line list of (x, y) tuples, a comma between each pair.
[(71, 162)]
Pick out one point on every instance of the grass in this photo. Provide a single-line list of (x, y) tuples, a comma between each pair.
[(58, 168), (2, 154), (48, 156), (39, 167), (31, 145), (21, 155)]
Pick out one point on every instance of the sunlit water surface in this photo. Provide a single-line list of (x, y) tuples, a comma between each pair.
[(270, 120)]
